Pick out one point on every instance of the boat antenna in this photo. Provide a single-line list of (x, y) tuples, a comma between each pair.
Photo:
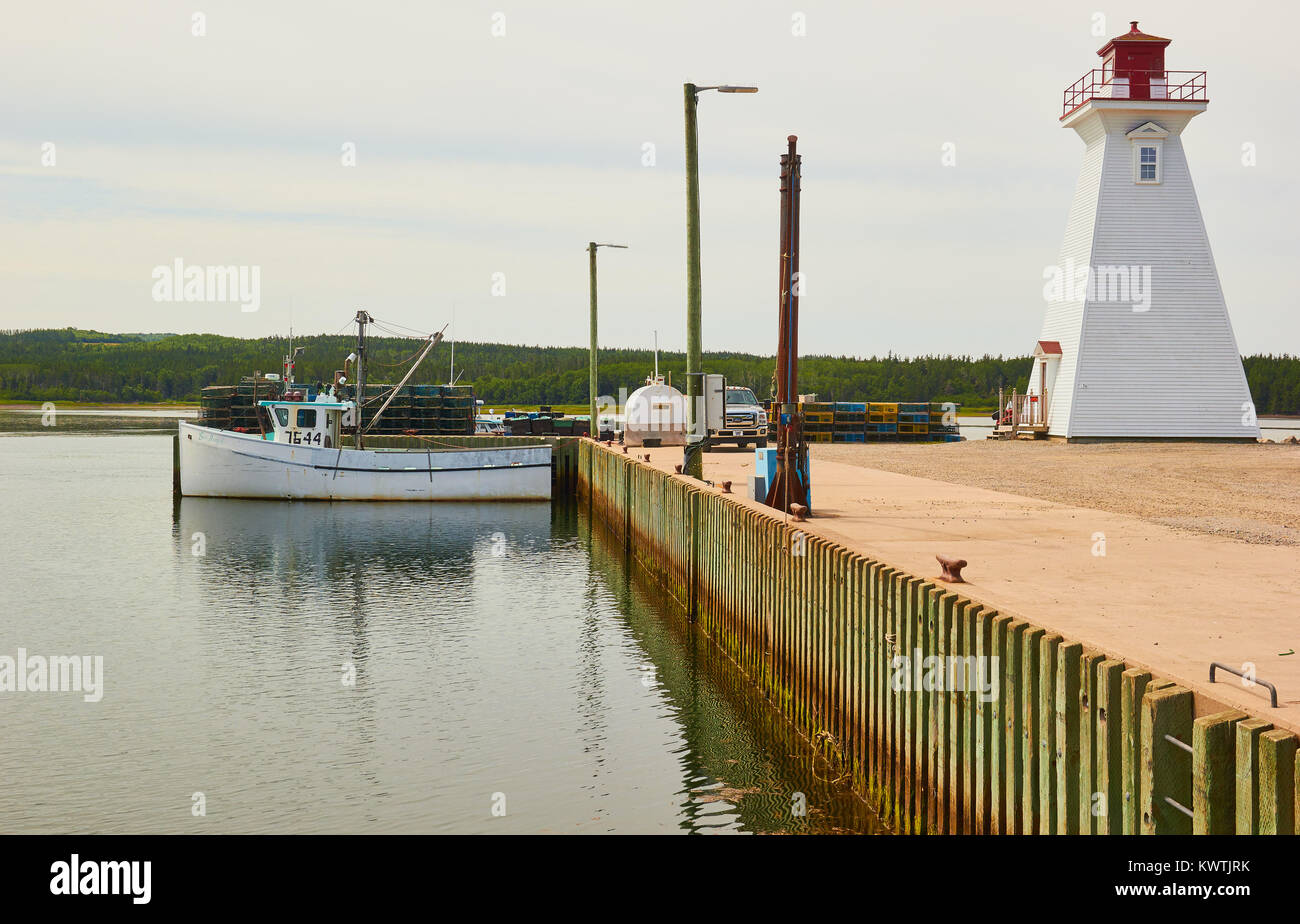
[(288, 360), (452, 378), (656, 356)]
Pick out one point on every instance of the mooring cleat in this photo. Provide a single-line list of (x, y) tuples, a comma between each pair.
[(952, 569)]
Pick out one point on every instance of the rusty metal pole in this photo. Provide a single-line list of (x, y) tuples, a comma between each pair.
[(787, 487)]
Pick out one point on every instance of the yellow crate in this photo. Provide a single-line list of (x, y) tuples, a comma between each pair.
[(819, 416), (819, 437), (876, 407), (914, 428)]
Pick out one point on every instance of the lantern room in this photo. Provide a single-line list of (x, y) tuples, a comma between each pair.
[(1133, 68), (1137, 59)]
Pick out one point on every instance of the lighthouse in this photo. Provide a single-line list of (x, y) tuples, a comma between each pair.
[(1136, 343)]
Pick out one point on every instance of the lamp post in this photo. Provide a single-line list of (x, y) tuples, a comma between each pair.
[(591, 259), (693, 464)]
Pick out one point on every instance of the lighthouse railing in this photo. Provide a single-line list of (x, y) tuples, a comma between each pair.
[(1099, 83)]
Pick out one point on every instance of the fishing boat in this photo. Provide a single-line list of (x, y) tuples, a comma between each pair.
[(303, 456)]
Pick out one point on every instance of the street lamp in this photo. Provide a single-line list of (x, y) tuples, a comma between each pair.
[(693, 464), (591, 258)]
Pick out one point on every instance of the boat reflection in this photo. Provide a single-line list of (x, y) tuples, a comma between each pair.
[(359, 542)]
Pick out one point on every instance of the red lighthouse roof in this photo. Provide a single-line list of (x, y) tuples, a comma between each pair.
[(1133, 35)]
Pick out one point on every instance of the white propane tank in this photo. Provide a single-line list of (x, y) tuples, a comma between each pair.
[(655, 416)]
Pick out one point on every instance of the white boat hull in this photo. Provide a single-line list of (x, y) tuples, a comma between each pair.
[(223, 463)]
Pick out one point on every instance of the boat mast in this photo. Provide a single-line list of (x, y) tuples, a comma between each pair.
[(362, 320)]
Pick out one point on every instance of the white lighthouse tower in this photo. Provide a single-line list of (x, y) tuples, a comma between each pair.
[(1136, 343)]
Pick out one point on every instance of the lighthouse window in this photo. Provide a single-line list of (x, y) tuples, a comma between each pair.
[(1146, 160), (1148, 164)]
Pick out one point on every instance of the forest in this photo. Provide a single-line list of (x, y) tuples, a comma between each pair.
[(90, 366)]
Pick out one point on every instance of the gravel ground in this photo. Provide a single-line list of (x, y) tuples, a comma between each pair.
[(1246, 492)]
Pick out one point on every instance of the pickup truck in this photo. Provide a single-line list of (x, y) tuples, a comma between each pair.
[(744, 420)]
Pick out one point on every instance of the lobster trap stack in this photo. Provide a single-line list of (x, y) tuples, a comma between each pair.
[(420, 410), (878, 422), (234, 407)]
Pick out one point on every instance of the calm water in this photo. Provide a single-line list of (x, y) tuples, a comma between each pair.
[(500, 651)]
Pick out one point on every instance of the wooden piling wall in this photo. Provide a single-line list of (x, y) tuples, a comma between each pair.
[(1064, 739)]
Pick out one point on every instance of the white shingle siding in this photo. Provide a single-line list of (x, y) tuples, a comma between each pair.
[(1173, 370), (1064, 319)]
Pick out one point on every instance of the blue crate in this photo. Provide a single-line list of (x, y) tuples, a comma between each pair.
[(851, 407), (847, 436)]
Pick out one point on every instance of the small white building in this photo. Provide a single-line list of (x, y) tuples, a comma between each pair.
[(1136, 343)]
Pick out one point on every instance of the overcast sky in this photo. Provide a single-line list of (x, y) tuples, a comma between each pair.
[(479, 154)]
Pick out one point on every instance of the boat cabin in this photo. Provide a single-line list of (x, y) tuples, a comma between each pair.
[(305, 423)]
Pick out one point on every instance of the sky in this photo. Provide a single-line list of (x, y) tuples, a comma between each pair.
[(490, 141)]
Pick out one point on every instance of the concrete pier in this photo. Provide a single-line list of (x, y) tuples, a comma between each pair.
[(1101, 720)]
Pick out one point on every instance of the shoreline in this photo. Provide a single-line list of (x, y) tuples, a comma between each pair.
[(102, 406)]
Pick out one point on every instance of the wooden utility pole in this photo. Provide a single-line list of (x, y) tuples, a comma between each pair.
[(694, 358), (693, 465), (591, 386)]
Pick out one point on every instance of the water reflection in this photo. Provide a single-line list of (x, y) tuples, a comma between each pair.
[(460, 593), (499, 651)]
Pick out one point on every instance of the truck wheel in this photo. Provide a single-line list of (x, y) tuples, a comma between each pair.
[(761, 444), (742, 444)]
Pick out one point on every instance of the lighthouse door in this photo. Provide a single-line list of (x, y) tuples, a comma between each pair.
[(1139, 78)]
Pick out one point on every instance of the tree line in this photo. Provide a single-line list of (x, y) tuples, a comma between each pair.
[(90, 366)]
